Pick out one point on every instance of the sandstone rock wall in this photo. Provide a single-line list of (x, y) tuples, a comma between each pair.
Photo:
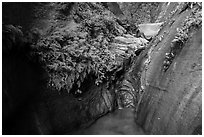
[(171, 102)]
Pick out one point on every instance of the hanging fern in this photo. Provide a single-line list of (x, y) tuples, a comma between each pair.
[(72, 53)]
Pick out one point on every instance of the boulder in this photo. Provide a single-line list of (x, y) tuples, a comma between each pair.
[(150, 29)]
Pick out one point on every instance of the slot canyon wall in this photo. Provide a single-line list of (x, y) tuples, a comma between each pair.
[(161, 83)]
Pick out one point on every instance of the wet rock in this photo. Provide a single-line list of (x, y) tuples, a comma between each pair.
[(128, 44), (68, 113), (171, 102), (125, 95), (128, 39)]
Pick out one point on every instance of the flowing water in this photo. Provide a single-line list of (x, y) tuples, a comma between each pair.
[(119, 122)]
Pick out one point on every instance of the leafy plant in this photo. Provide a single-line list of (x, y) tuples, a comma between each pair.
[(73, 52)]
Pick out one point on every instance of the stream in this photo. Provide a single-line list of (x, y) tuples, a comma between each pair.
[(119, 122)]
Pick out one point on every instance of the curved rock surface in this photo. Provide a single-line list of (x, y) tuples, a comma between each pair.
[(171, 102)]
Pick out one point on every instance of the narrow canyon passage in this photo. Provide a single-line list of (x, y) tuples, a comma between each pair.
[(102, 68)]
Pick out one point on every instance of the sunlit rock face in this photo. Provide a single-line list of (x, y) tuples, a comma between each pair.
[(171, 102), (150, 29)]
